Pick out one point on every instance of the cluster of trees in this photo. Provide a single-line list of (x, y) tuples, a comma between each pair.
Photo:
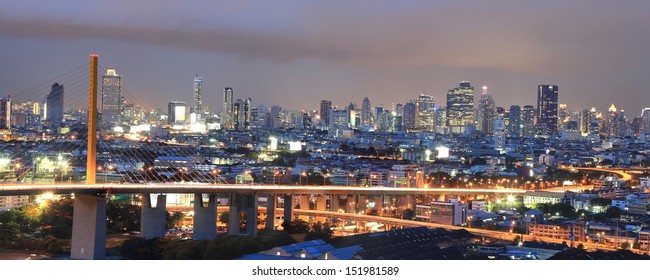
[(224, 247), (313, 231)]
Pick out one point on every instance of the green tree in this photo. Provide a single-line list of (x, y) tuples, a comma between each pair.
[(296, 226), (319, 230), (613, 212), (408, 214), (625, 245), (174, 219)]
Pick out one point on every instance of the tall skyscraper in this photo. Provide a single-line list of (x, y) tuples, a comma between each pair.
[(176, 112), (366, 113), (514, 121), (5, 112), (410, 115), (111, 99), (499, 133), (645, 120), (426, 112), (55, 104), (198, 98), (227, 119), (585, 122), (547, 109), (460, 107), (325, 109), (242, 111), (486, 112), (528, 121)]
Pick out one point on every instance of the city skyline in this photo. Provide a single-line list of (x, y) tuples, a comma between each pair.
[(598, 55)]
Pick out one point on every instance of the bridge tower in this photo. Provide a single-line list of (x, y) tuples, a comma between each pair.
[(89, 217)]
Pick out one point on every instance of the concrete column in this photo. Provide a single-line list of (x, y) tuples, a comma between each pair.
[(205, 218), (321, 205), (304, 202), (153, 219), (361, 203), (288, 208), (304, 205), (271, 202), (89, 228), (236, 204), (251, 214), (335, 202)]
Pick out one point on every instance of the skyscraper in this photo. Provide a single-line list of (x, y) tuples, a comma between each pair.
[(242, 114), (460, 107), (585, 122), (547, 109), (528, 121), (486, 112), (55, 104), (325, 109), (227, 112), (426, 113), (111, 99), (366, 113), (514, 124), (645, 120), (198, 98), (410, 115), (176, 112), (5, 112)]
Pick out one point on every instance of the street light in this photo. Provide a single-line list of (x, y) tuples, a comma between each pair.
[(306, 178)]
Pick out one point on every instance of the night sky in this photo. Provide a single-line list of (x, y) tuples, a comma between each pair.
[(295, 53)]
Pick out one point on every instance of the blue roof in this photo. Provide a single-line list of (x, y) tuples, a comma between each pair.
[(293, 248), (258, 256)]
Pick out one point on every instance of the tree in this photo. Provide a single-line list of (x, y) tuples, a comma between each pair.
[(613, 212), (408, 214), (319, 231), (625, 245), (224, 217), (296, 226), (581, 246), (174, 219)]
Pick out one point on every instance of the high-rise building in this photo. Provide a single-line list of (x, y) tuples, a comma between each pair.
[(366, 113), (112, 101), (645, 120), (499, 133), (460, 107), (197, 110), (547, 109), (339, 119), (426, 112), (176, 112), (410, 115), (486, 112), (514, 121), (242, 114), (528, 121), (5, 112), (325, 109), (585, 122), (55, 104), (227, 112)]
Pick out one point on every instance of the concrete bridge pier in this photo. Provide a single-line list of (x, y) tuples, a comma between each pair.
[(153, 219), (205, 217), (288, 208), (251, 214), (321, 205), (89, 228), (271, 202), (236, 205), (335, 202)]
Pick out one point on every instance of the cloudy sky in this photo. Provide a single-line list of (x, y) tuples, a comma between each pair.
[(295, 53)]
